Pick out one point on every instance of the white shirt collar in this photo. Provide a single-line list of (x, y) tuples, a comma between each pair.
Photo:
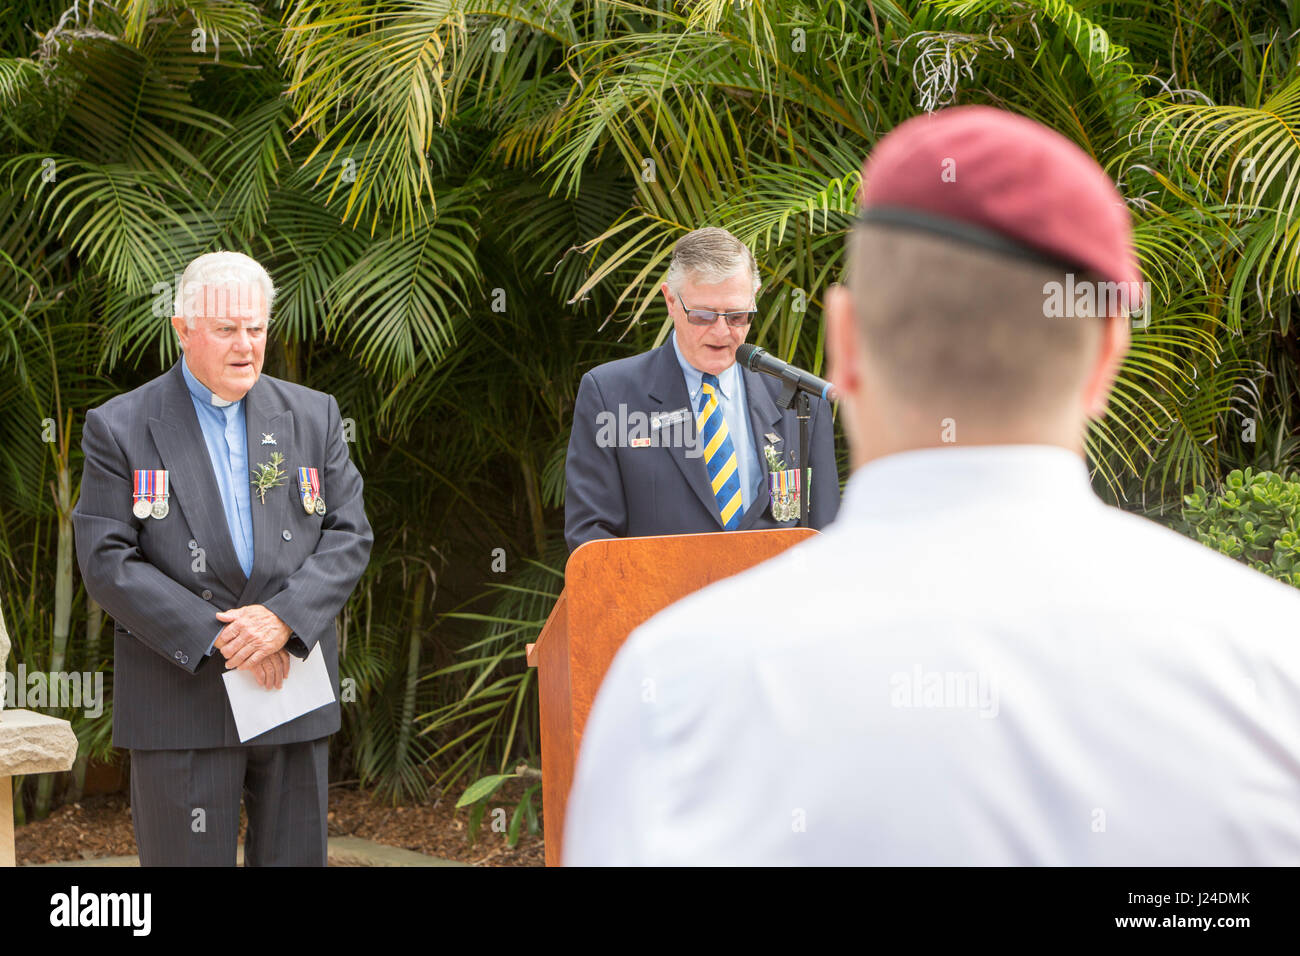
[(953, 477)]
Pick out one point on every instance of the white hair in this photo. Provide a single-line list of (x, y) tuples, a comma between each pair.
[(710, 255), (214, 270)]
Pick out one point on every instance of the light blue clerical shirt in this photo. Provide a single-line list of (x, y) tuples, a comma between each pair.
[(735, 408), (225, 433)]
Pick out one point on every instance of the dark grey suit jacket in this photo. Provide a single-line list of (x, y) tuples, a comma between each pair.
[(163, 596), (623, 490)]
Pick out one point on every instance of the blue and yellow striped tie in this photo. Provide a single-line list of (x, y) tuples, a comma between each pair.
[(719, 454)]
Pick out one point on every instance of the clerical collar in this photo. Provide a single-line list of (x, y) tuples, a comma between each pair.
[(201, 391)]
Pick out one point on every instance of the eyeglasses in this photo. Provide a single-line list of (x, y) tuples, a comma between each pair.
[(706, 317)]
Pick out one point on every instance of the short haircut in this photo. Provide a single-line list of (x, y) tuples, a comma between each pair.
[(710, 255), (953, 329), (216, 270)]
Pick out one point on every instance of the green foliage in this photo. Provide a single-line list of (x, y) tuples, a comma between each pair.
[(482, 788), (495, 715), (478, 793), (1255, 519)]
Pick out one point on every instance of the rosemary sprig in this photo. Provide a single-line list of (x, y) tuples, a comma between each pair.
[(268, 476), (774, 461)]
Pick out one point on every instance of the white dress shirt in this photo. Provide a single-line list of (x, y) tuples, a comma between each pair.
[(979, 662)]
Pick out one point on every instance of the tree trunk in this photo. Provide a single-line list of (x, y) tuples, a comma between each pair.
[(534, 507), (62, 597), (94, 621), (412, 669)]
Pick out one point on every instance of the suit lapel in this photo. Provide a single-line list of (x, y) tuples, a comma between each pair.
[(764, 416), (668, 391), (192, 483), (264, 416)]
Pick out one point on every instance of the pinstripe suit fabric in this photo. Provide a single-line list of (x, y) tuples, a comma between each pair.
[(162, 581), (185, 804)]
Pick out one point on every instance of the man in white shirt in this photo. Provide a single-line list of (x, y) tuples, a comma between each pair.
[(978, 662)]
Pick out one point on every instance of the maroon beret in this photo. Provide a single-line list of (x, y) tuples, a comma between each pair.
[(1004, 182)]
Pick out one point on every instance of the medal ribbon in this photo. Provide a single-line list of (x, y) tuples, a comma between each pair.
[(314, 477), (139, 485)]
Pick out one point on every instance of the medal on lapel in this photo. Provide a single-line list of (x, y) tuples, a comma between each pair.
[(140, 494), (304, 488), (160, 507), (309, 482), (784, 485), (150, 494)]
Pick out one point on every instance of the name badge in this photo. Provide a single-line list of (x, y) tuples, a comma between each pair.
[(660, 419)]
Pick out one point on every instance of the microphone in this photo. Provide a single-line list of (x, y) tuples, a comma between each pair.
[(758, 360)]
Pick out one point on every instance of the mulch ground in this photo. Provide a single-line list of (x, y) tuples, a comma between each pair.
[(101, 826)]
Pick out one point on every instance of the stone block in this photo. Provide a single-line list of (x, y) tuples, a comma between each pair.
[(35, 743)]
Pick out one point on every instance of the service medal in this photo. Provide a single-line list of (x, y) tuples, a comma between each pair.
[(785, 486), (140, 493), (311, 490), (305, 489), (159, 493)]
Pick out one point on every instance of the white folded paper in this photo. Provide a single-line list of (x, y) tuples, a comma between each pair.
[(257, 709)]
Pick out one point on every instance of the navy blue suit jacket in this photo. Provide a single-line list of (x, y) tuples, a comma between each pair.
[(634, 488)]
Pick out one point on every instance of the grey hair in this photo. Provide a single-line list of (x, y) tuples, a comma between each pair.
[(215, 269), (710, 255)]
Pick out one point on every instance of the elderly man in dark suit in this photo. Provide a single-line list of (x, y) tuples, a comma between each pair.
[(681, 439), (203, 573)]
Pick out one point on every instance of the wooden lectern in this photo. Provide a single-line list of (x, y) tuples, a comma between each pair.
[(610, 587)]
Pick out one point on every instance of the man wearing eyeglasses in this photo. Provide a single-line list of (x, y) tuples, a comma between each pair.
[(681, 439), (203, 530), (986, 665)]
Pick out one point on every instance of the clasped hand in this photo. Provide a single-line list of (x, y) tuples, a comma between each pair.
[(253, 640)]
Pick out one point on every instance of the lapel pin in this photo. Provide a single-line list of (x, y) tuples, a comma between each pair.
[(268, 439)]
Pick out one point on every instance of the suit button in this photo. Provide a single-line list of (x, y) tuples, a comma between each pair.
[(185, 659), (179, 655), (207, 595), (286, 534)]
